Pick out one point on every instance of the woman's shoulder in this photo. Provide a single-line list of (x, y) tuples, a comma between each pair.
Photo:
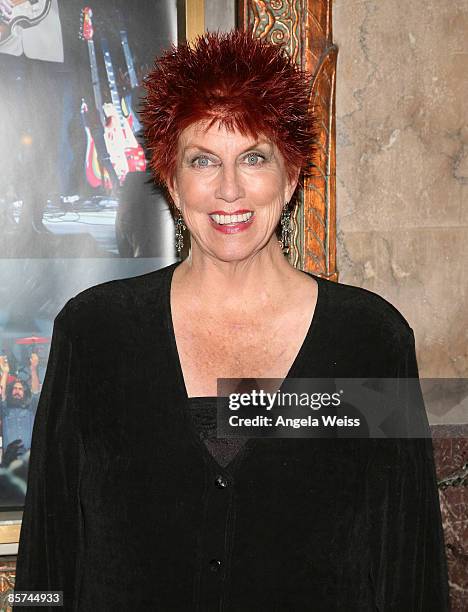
[(367, 312), (116, 297)]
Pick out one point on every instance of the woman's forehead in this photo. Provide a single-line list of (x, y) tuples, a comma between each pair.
[(202, 134)]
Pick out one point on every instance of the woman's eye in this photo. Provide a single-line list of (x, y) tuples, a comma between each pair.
[(254, 159), (201, 162)]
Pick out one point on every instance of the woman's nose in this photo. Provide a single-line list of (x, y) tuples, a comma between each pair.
[(229, 187)]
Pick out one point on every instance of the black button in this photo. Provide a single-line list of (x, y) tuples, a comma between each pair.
[(221, 482), (215, 565)]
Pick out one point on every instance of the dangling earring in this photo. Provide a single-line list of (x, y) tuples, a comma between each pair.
[(285, 228), (179, 237)]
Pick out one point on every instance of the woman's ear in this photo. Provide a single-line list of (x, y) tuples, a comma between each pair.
[(173, 190), (291, 185)]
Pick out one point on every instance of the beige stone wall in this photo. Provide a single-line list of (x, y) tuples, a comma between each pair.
[(402, 166)]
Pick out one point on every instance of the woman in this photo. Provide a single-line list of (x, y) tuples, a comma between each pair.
[(132, 502)]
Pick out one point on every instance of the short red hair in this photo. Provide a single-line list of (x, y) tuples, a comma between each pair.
[(243, 82)]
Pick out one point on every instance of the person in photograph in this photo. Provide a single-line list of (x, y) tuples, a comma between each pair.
[(133, 502), (18, 405), (38, 155), (45, 72)]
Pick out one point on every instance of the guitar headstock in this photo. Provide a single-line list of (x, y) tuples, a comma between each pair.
[(86, 25)]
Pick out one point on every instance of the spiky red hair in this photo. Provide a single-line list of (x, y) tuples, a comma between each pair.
[(242, 82)]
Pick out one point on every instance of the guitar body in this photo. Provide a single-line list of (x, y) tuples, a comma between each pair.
[(135, 159), (115, 142), (129, 114), (133, 150), (25, 14), (95, 175), (92, 167), (126, 153)]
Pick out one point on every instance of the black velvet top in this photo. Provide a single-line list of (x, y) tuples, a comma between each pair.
[(202, 411), (127, 508)]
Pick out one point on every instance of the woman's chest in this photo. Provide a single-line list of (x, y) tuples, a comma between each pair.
[(261, 349)]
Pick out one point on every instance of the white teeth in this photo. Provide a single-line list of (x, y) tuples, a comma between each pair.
[(225, 219)]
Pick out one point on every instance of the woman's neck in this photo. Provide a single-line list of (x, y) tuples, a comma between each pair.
[(253, 283)]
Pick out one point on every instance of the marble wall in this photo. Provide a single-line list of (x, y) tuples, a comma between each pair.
[(402, 204), (402, 166)]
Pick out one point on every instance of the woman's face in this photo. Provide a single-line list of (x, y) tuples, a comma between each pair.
[(230, 189)]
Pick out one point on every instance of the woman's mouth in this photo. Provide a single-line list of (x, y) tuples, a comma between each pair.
[(232, 223)]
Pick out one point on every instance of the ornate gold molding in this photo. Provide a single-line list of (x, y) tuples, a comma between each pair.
[(7, 581), (304, 27)]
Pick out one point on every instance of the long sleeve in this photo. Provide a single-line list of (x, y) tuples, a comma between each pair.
[(408, 564), (50, 538)]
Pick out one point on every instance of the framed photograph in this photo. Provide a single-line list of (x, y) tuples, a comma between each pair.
[(77, 202), (75, 182)]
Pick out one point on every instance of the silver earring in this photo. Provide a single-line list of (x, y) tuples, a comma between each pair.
[(179, 237), (285, 229)]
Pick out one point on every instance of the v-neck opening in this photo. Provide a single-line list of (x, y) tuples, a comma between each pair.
[(216, 452), (175, 353)]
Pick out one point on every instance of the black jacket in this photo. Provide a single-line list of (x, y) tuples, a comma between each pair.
[(124, 508)]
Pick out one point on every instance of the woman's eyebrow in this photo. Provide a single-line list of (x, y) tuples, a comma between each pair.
[(200, 147)]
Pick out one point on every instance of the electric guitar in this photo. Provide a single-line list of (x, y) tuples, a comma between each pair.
[(25, 14), (109, 127), (133, 150), (87, 34), (95, 175)]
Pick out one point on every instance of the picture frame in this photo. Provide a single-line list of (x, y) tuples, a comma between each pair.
[(190, 22)]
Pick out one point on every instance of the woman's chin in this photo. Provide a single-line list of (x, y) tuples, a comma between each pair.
[(232, 248), (232, 255), (235, 252)]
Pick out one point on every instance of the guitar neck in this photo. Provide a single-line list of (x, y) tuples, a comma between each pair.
[(111, 79), (128, 59), (95, 80)]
